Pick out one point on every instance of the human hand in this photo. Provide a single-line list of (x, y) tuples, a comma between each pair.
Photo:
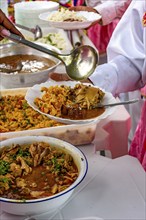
[(5, 23), (82, 8)]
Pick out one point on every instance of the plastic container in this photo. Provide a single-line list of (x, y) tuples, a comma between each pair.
[(75, 134)]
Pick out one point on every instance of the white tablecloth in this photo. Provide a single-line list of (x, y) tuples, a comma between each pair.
[(114, 189)]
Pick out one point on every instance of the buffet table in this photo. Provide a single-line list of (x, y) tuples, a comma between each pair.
[(112, 189)]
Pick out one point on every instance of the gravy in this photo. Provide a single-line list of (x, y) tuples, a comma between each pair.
[(31, 63), (81, 114)]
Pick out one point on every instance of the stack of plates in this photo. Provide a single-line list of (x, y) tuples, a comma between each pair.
[(27, 13), (4, 6)]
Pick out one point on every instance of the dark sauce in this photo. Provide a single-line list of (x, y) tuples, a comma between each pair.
[(82, 114), (31, 63)]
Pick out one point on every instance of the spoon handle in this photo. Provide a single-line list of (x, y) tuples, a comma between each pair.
[(19, 39), (118, 103), (26, 28)]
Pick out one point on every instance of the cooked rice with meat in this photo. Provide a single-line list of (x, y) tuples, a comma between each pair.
[(55, 97), (66, 15), (17, 115)]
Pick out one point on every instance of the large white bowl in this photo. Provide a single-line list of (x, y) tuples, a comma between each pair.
[(52, 203), (22, 79)]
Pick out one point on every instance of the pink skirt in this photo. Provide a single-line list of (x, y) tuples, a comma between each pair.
[(138, 145), (100, 35)]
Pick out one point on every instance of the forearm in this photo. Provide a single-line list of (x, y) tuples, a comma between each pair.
[(109, 10), (118, 76)]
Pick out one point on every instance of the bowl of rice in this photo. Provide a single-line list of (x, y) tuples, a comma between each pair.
[(69, 20)]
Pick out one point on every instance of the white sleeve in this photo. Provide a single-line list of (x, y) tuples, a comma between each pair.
[(126, 67), (109, 9), (93, 3)]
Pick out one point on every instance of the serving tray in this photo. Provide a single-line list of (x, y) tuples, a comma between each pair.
[(74, 134)]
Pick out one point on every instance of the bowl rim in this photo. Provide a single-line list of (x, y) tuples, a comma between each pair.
[(49, 6), (66, 145)]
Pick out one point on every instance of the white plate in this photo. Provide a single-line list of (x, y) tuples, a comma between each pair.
[(67, 25), (63, 41), (35, 91)]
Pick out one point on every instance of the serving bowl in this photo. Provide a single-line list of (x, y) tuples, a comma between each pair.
[(53, 202), (21, 79)]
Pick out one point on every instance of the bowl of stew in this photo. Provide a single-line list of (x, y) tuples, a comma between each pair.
[(38, 174), (36, 65)]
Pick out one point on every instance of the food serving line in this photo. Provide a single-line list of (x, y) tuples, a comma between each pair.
[(113, 188)]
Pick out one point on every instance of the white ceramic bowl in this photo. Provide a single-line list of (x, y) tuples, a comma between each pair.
[(22, 79), (52, 203)]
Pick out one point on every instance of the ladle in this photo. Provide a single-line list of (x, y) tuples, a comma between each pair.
[(79, 64), (36, 31), (18, 68)]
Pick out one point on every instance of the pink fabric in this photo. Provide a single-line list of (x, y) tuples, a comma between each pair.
[(80, 2), (143, 91), (138, 145), (100, 35)]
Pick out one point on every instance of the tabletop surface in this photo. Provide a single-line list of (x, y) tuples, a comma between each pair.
[(113, 189)]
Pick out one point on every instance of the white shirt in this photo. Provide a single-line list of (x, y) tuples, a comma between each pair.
[(109, 9), (126, 67)]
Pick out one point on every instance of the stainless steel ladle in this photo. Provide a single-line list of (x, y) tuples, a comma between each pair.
[(79, 64), (18, 68), (37, 31)]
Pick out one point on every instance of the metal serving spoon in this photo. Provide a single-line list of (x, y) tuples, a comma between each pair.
[(17, 69), (79, 64), (37, 31), (116, 103)]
